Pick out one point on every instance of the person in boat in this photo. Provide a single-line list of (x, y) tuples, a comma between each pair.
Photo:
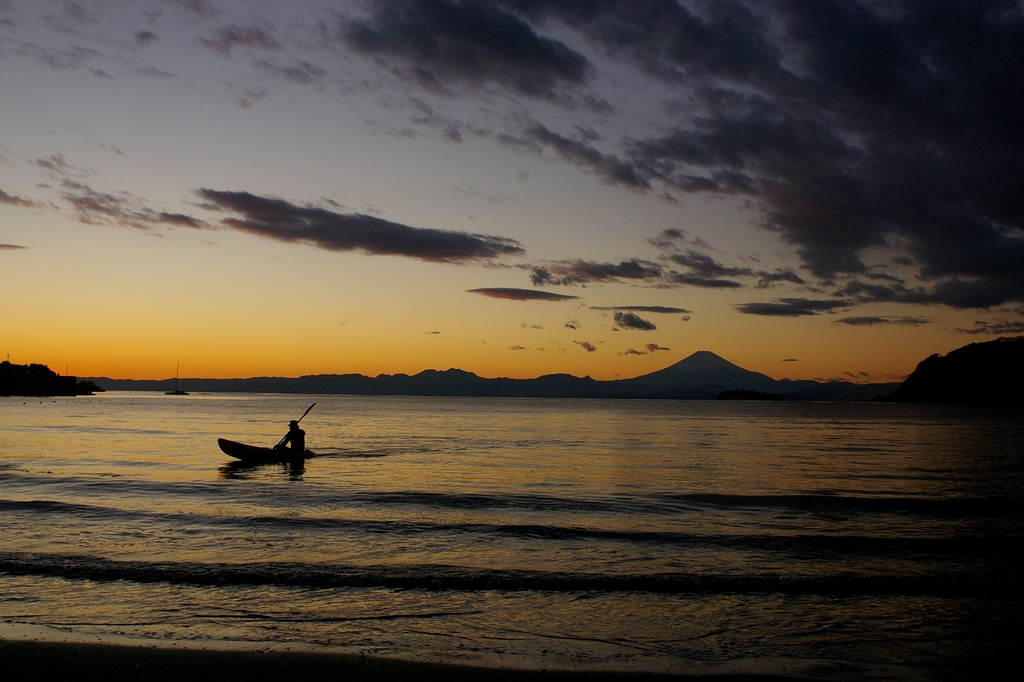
[(296, 437)]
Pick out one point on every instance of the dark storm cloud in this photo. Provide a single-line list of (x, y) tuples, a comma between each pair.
[(792, 307), (579, 271), (851, 125), (442, 44), (121, 208), (255, 37), (520, 294), (632, 321), (874, 321), (642, 308), (287, 222)]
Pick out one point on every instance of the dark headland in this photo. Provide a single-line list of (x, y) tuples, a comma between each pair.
[(39, 380), (979, 373), (701, 376)]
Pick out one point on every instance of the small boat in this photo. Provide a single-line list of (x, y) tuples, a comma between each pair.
[(176, 391), (260, 455)]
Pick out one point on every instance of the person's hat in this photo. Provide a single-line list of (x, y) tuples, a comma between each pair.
[(293, 423)]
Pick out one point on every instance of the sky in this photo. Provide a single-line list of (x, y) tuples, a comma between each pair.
[(810, 189)]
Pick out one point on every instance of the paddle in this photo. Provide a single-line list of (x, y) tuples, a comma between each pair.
[(281, 442)]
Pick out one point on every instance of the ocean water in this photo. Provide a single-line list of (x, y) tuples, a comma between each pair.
[(842, 539)]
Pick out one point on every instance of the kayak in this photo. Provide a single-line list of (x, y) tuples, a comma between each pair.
[(259, 455)]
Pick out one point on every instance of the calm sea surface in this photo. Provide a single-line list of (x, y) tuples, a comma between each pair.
[(863, 539)]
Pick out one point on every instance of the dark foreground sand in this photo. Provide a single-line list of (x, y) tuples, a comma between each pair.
[(82, 662)]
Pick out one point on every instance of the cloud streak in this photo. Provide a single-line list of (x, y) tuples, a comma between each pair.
[(512, 294), (580, 272), (656, 309), (874, 321), (792, 307), (291, 223), (995, 327)]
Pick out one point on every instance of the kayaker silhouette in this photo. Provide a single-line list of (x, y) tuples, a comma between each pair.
[(295, 436)]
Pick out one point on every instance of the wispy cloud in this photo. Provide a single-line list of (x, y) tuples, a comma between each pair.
[(586, 345), (13, 200), (287, 222), (301, 72), (120, 208), (70, 59), (11, 247), (580, 151), (258, 37)]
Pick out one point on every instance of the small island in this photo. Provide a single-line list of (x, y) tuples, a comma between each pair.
[(39, 380)]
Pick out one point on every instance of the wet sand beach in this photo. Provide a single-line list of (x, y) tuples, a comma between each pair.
[(84, 662)]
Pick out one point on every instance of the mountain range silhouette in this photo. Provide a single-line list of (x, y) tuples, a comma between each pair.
[(702, 375)]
